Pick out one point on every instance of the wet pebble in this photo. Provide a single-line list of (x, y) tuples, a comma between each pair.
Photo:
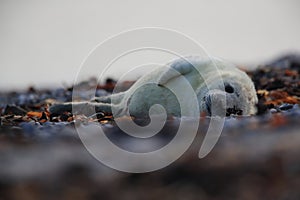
[(293, 113), (273, 110), (286, 106)]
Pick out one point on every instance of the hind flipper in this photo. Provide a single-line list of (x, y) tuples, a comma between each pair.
[(103, 99), (81, 108), (114, 98)]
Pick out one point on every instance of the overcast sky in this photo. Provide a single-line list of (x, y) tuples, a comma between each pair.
[(44, 42)]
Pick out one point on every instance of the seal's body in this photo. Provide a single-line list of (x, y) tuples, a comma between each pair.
[(216, 83)]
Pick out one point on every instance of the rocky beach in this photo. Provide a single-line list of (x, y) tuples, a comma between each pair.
[(256, 157)]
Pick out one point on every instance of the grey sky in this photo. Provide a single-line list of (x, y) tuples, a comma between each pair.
[(44, 42)]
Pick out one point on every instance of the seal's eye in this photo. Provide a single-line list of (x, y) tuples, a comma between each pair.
[(229, 89)]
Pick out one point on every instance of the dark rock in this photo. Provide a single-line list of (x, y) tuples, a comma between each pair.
[(44, 116), (261, 108), (276, 84), (100, 115), (286, 106), (15, 110), (65, 116)]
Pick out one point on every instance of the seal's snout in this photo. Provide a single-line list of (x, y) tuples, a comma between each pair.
[(218, 103), (234, 111)]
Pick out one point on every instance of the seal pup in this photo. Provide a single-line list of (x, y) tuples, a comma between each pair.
[(203, 75)]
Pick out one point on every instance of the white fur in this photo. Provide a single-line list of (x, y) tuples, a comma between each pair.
[(141, 96), (153, 89)]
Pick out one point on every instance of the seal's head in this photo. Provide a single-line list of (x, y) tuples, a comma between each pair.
[(234, 94)]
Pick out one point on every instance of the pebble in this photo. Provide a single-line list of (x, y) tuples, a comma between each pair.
[(273, 110), (286, 106)]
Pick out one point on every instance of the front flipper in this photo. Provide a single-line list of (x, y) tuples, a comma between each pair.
[(178, 68)]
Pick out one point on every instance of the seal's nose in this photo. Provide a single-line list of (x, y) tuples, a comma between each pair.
[(217, 103), (234, 111)]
